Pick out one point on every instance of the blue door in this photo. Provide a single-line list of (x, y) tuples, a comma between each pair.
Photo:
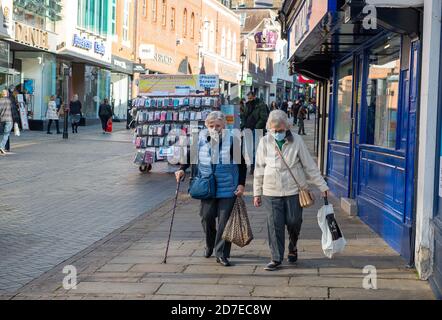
[(372, 150)]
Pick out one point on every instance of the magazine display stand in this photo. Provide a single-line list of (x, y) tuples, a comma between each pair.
[(167, 111)]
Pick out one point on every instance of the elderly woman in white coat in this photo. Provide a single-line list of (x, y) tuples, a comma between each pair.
[(275, 188), (52, 115)]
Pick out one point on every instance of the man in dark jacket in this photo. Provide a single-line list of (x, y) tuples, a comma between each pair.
[(255, 116), (105, 113)]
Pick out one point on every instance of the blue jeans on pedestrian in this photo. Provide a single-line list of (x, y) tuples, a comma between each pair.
[(6, 132)]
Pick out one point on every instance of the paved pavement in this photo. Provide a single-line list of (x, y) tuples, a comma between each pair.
[(127, 263), (59, 197)]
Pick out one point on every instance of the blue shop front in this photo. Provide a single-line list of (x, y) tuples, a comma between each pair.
[(368, 108)]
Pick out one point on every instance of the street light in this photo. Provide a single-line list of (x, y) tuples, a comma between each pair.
[(243, 60)]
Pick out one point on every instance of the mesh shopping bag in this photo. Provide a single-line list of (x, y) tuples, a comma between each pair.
[(238, 229)]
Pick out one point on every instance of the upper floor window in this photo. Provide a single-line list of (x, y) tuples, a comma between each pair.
[(172, 19), (223, 43), (114, 17), (185, 23), (164, 13), (126, 17), (144, 8), (192, 26), (154, 10)]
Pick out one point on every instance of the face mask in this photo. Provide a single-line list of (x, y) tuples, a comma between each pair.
[(279, 136), (214, 134)]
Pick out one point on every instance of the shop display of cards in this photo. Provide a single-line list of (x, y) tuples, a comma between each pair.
[(162, 120)]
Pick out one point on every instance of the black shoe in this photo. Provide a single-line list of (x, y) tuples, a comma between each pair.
[(293, 257), (272, 266), (224, 262), (208, 253), (59, 132), (49, 132)]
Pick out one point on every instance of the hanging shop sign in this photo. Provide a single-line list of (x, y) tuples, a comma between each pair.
[(266, 40), (179, 85), (31, 36)]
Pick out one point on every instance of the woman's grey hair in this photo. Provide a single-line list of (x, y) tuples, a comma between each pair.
[(277, 118), (216, 115)]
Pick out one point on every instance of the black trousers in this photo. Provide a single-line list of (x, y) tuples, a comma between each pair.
[(301, 126), (283, 212), (104, 121), (210, 210), (57, 125)]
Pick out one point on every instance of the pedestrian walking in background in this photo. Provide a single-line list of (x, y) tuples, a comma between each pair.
[(230, 180), (273, 106), (6, 119), (75, 113), (254, 117), (105, 113), (301, 118), (296, 108), (281, 197), (290, 108), (53, 115), (285, 106)]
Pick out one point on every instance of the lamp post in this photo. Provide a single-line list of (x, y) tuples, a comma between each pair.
[(243, 60)]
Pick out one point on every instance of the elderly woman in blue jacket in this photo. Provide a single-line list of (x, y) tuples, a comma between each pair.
[(216, 154)]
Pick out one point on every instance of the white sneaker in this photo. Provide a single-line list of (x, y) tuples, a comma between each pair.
[(2, 151)]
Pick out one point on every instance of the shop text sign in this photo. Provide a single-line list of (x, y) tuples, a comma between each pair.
[(31, 36), (176, 85), (208, 81), (85, 44)]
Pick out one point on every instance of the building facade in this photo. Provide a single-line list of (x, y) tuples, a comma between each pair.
[(84, 53), (123, 36), (220, 48), (380, 144)]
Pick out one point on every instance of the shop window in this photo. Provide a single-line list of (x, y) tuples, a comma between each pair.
[(342, 114), (383, 93)]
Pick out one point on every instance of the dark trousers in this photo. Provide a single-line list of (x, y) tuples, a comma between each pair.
[(301, 126), (104, 121), (57, 125), (210, 210), (283, 212)]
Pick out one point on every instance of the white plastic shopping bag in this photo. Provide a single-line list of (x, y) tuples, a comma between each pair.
[(333, 240)]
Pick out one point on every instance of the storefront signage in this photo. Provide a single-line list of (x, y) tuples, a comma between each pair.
[(85, 44), (309, 15), (139, 68), (266, 40), (208, 81), (162, 58), (147, 52), (82, 43), (122, 65), (31, 36), (301, 26), (100, 48)]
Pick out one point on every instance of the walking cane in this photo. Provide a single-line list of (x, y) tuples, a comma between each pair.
[(173, 216)]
